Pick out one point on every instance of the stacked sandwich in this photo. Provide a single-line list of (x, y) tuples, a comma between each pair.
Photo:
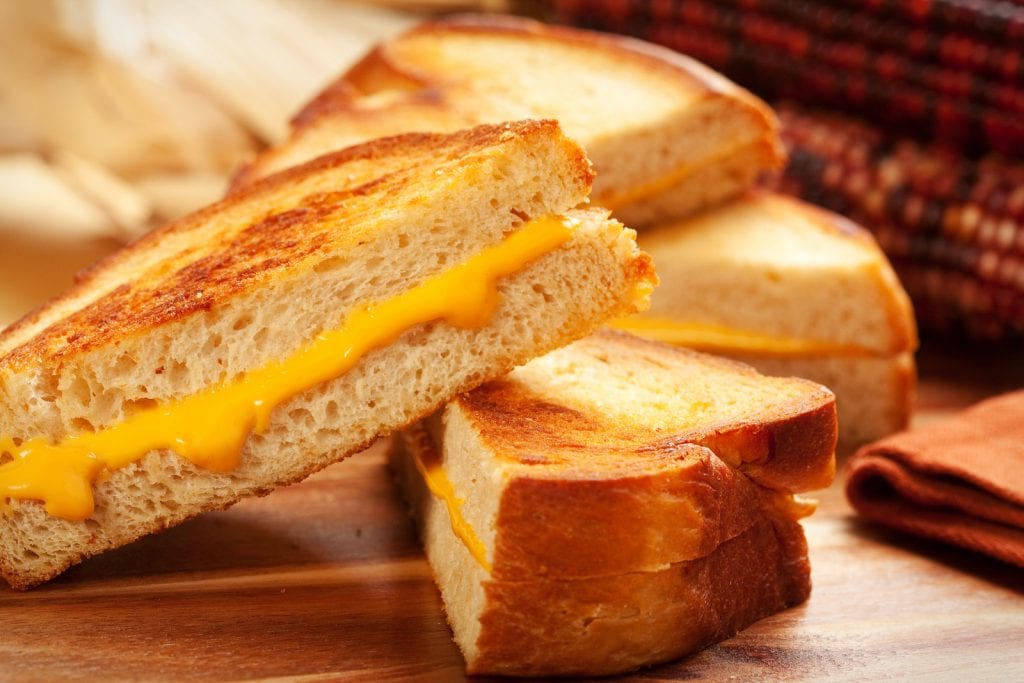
[(615, 503), (522, 486), (771, 281)]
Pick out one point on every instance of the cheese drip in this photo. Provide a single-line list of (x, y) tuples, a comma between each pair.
[(211, 427), (430, 468), (708, 337)]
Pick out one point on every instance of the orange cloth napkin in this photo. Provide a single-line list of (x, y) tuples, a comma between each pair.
[(959, 481)]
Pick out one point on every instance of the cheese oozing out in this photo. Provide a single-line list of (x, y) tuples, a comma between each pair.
[(428, 464), (720, 338), (210, 428), (421, 449)]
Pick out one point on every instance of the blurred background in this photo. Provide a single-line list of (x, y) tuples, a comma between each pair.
[(117, 115)]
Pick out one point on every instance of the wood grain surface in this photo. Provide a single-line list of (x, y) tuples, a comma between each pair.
[(325, 581)]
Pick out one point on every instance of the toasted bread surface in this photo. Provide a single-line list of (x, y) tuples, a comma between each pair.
[(114, 342), (874, 394), (279, 227), (776, 266), (615, 538), (654, 122), (615, 400)]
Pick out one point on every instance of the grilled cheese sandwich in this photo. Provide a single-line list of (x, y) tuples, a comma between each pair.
[(290, 325), (598, 489)]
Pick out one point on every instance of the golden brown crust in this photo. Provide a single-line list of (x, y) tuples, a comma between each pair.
[(639, 516), (614, 624), (788, 444), (278, 225), (899, 309), (389, 90), (381, 70), (373, 73), (615, 540), (791, 454)]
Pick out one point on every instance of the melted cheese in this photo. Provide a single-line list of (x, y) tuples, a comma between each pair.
[(707, 337), (430, 468), (210, 428)]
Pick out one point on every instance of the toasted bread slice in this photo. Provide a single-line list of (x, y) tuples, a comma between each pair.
[(258, 340), (790, 289), (666, 134), (615, 503)]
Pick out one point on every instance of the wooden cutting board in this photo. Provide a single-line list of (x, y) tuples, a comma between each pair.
[(325, 581)]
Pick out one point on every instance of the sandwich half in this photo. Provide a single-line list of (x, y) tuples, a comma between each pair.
[(616, 503), (249, 344), (666, 134), (793, 290)]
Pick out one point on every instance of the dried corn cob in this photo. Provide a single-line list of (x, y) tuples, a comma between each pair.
[(949, 301), (931, 175), (783, 60), (996, 19), (900, 106), (954, 229), (779, 34), (957, 47)]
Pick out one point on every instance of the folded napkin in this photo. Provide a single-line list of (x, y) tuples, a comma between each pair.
[(959, 481)]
